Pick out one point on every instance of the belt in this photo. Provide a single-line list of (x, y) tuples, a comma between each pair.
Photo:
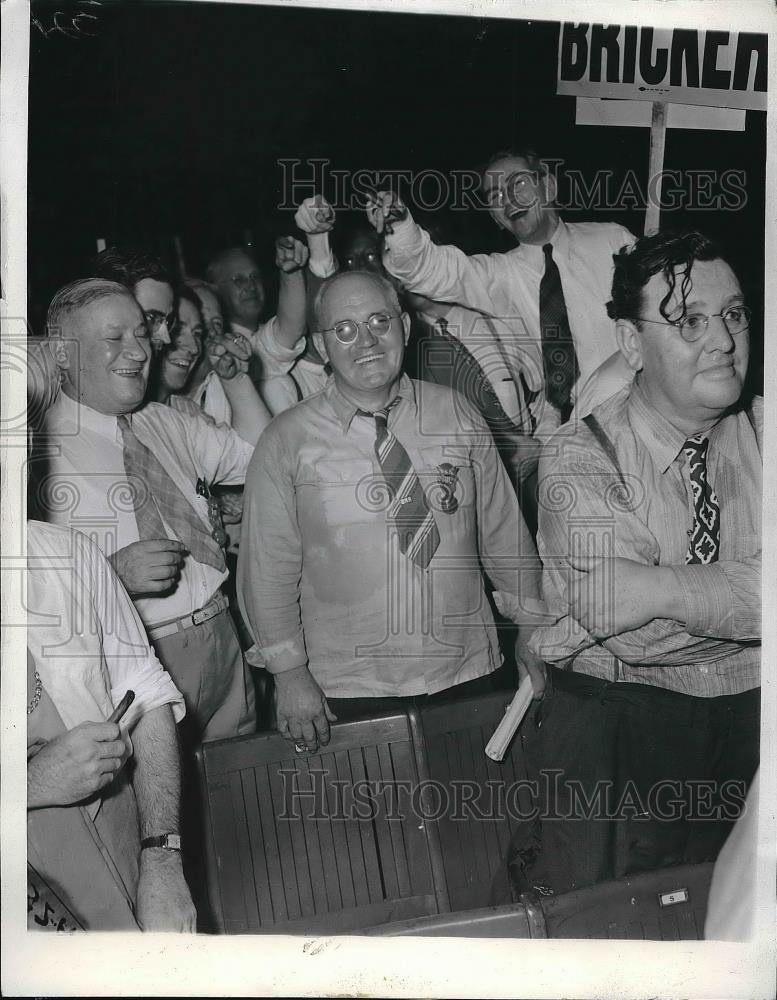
[(214, 607)]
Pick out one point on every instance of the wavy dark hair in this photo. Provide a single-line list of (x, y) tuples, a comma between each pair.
[(128, 266), (672, 254)]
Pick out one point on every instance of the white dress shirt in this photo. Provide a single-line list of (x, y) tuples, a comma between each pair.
[(285, 375), (507, 286), (86, 484), (210, 396), (85, 635)]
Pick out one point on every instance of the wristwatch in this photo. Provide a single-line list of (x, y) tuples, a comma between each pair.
[(167, 841)]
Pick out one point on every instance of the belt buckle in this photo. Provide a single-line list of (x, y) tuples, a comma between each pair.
[(211, 609)]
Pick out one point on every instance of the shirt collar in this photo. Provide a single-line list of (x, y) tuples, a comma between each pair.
[(85, 417), (559, 241), (662, 439), (345, 410)]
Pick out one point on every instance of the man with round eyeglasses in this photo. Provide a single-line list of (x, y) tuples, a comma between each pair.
[(149, 282), (650, 536), (371, 510)]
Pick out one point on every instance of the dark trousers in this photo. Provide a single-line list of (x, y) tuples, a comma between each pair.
[(629, 778)]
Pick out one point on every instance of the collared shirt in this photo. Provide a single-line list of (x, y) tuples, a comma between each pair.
[(85, 635), (320, 578), (286, 377), (714, 646), (210, 397), (83, 483), (507, 286)]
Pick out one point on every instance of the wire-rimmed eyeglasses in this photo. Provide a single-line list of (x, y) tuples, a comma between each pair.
[(347, 330), (736, 319)]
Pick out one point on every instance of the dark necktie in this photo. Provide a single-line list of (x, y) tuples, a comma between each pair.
[(704, 545), (155, 495), (558, 351), (408, 510)]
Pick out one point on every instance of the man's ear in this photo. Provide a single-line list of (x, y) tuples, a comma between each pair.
[(629, 340), (58, 348), (318, 343), (406, 324), (550, 187)]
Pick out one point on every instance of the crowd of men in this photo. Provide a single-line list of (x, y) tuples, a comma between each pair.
[(423, 465)]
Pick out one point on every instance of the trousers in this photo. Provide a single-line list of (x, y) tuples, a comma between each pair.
[(629, 778)]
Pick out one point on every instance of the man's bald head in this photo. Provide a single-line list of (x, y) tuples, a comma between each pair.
[(344, 279), (238, 280)]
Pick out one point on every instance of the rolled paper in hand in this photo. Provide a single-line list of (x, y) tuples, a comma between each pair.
[(514, 713)]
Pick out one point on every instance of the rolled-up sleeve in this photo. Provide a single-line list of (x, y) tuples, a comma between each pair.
[(507, 550), (723, 600), (275, 358), (270, 560)]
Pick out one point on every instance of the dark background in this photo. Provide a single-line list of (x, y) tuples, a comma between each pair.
[(171, 119)]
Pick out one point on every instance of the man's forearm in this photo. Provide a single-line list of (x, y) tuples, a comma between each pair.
[(157, 777), (291, 308), (250, 415)]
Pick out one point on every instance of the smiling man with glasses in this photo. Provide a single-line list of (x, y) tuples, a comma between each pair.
[(371, 510), (650, 536), (149, 282)]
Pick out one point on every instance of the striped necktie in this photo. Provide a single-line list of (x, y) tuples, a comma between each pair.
[(155, 495), (704, 545), (558, 350), (408, 510)]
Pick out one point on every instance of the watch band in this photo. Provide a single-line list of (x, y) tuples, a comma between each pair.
[(168, 841)]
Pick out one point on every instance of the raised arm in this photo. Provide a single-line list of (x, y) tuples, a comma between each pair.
[(441, 273), (291, 256)]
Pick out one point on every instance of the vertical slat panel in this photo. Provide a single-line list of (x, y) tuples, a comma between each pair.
[(275, 907), (258, 885), (285, 831), (225, 823), (358, 881), (386, 857), (326, 826), (366, 830), (410, 828), (310, 827)]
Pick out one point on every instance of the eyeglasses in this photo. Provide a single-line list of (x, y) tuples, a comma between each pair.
[(736, 319), (347, 330), (242, 281), (155, 319)]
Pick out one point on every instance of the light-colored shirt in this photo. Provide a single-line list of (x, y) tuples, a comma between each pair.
[(714, 646), (286, 377), (86, 485), (85, 635), (507, 286), (320, 578), (211, 398)]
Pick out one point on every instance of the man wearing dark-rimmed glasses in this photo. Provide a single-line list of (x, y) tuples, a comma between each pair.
[(371, 510), (650, 536)]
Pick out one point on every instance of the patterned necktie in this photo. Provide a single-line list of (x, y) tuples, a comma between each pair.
[(408, 511), (705, 534), (155, 495), (558, 351)]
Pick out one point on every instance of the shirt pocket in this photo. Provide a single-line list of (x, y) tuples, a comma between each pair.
[(338, 493)]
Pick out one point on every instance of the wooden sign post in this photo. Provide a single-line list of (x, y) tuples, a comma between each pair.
[(687, 78)]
